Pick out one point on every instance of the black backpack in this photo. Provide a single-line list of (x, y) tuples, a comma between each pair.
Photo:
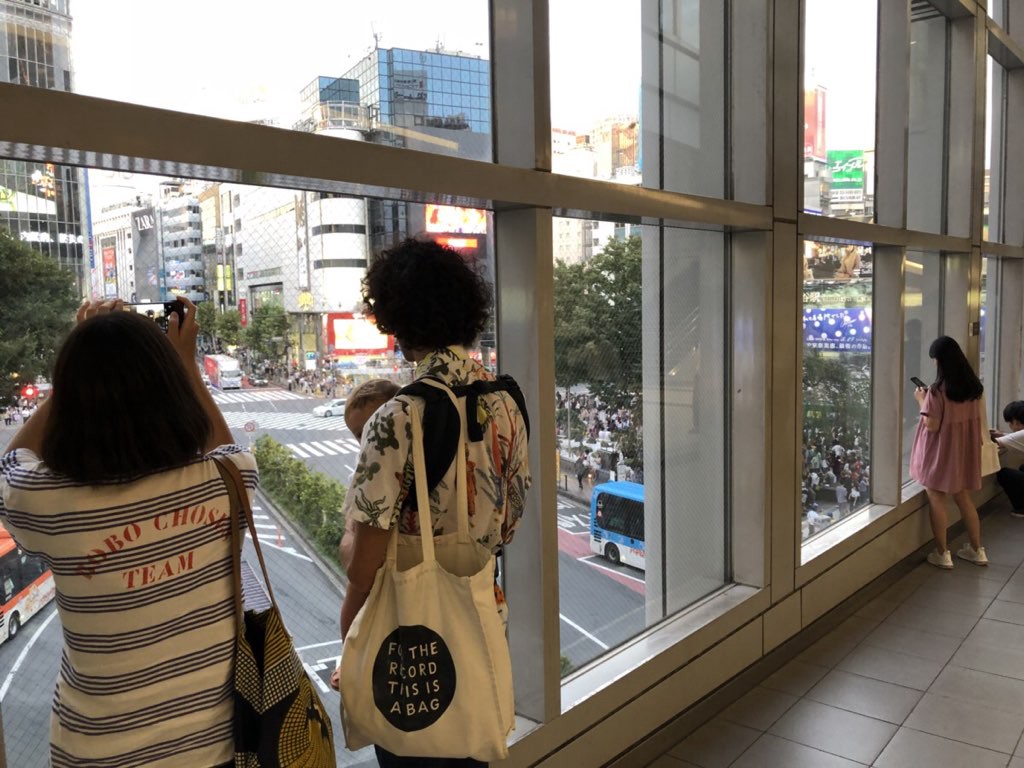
[(441, 419)]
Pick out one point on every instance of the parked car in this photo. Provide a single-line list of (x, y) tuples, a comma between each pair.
[(330, 408)]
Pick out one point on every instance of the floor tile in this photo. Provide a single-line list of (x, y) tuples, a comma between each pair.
[(999, 660), (716, 744), (1013, 592), (835, 731), (927, 645), (945, 599), (774, 752), (892, 667), (967, 721), (986, 689), (878, 609), (865, 696), (759, 708), (914, 749), (931, 620), (795, 678), (829, 650), (1003, 610), (998, 633), (667, 761), (901, 590), (1016, 762)]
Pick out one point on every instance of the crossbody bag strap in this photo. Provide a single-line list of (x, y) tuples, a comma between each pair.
[(234, 518), (240, 500)]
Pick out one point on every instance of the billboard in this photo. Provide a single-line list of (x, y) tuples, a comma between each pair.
[(146, 253), (847, 169), (455, 220), (843, 329), (109, 254), (814, 124), (347, 334)]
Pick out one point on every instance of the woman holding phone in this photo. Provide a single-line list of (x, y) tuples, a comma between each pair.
[(113, 483), (946, 455)]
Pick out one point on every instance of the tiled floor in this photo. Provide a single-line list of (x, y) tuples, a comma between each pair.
[(929, 674)]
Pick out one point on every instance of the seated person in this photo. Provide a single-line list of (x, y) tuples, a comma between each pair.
[(1012, 480)]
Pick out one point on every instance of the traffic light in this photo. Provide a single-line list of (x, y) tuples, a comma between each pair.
[(29, 392)]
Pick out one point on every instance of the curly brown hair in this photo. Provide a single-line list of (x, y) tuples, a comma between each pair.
[(426, 295)]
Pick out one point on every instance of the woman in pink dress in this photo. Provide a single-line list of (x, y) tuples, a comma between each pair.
[(946, 456)]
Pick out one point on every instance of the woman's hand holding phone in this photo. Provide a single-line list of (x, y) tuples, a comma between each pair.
[(182, 332)]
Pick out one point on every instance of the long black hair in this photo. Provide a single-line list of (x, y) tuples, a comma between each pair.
[(122, 403), (953, 374)]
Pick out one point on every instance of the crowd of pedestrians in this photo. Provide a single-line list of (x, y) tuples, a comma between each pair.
[(15, 415), (836, 475)]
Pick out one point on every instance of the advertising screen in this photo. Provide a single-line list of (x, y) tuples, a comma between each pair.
[(347, 334), (814, 124), (846, 329), (454, 220), (109, 268)]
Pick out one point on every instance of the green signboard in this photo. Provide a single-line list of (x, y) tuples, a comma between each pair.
[(847, 169)]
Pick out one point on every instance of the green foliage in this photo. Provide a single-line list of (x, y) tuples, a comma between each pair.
[(566, 665), (836, 393), (266, 332), (229, 327), (37, 306), (311, 499), (206, 316), (598, 315)]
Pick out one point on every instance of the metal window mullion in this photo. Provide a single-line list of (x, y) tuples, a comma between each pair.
[(887, 384), (892, 114), (525, 338)]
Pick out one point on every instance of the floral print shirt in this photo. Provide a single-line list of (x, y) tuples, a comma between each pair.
[(497, 468)]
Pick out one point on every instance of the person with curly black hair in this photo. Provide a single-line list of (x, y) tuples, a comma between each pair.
[(436, 305)]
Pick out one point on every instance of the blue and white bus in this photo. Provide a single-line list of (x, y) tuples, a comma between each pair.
[(617, 522)]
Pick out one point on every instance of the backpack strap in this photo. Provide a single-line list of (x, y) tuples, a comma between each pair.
[(441, 423)]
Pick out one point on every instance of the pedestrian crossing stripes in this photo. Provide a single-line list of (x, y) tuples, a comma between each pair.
[(321, 448), (255, 396), (283, 420)]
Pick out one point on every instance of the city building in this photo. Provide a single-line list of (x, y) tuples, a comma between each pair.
[(42, 203), (181, 245)]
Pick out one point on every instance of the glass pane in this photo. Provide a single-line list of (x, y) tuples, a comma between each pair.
[(995, 124), (922, 324), (988, 332), (926, 139), (837, 291), (662, 119), (276, 275), (641, 532), (405, 77), (839, 108)]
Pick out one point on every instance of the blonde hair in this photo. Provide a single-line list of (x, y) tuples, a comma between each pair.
[(374, 392)]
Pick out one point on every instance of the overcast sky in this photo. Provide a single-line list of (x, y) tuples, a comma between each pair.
[(248, 60)]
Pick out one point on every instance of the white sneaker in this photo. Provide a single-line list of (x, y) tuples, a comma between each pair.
[(941, 560), (972, 555)]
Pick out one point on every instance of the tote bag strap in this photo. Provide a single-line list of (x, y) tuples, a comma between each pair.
[(461, 496), (236, 544), (240, 502)]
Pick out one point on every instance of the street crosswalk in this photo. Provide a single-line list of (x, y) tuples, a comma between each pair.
[(324, 448), (254, 396), (283, 420)]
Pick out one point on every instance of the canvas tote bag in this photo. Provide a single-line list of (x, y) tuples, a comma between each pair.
[(280, 722), (425, 668)]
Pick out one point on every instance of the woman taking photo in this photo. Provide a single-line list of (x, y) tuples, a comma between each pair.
[(113, 483), (946, 455)]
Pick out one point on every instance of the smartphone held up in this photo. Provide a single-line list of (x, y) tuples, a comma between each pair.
[(158, 312), (918, 383)]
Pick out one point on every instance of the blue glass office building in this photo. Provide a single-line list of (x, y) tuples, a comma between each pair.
[(432, 101)]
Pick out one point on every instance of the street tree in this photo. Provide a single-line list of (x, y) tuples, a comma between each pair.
[(37, 305), (269, 325), (598, 314), (229, 327), (206, 316)]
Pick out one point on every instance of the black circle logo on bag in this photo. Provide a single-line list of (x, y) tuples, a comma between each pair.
[(413, 678)]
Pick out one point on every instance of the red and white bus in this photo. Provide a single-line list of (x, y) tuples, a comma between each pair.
[(26, 586)]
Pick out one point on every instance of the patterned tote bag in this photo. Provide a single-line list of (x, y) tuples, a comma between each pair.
[(279, 719), (425, 667)]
